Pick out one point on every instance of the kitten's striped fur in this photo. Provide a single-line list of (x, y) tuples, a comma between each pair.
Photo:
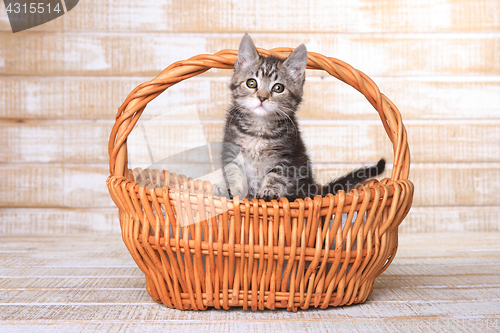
[(264, 155)]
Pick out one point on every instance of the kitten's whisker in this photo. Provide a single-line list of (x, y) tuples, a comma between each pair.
[(233, 115), (286, 118)]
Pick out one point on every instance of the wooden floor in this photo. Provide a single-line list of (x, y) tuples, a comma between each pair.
[(437, 283)]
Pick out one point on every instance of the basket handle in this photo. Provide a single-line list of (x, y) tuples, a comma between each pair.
[(135, 103)]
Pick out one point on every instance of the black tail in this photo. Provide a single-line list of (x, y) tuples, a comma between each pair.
[(353, 178)]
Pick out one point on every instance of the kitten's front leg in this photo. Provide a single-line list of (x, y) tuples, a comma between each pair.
[(234, 182)]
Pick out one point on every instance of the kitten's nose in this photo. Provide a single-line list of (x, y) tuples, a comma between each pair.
[(262, 98)]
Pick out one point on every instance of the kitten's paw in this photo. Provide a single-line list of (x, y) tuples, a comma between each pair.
[(269, 193), (238, 192), (220, 191)]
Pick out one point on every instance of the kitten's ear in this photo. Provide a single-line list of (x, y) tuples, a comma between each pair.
[(296, 63), (247, 53)]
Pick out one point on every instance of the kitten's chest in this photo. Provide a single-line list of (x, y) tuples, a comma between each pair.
[(259, 158)]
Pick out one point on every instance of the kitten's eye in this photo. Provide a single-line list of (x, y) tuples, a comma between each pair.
[(278, 88), (251, 83)]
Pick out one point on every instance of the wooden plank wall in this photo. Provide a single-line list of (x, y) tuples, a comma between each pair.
[(439, 61)]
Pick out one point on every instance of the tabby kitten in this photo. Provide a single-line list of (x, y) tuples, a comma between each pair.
[(263, 153)]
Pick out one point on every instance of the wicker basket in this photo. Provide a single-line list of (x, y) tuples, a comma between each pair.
[(256, 254)]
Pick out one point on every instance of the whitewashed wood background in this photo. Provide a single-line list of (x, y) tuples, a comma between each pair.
[(439, 61)]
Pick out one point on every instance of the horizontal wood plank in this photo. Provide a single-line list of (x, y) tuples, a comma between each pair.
[(117, 265), (146, 54), (421, 219), (431, 271), (49, 297), (443, 184), (97, 283), (136, 296), (47, 186), (149, 312), (324, 98), (262, 16), (61, 97), (98, 251), (86, 141), (59, 220), (54, 186), (71, 283), (39, 267), (395, 325)]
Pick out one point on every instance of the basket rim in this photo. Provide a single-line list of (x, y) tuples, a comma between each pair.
[(134, 105), (385, 190)]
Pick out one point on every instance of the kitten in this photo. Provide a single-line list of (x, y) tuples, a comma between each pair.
[(263, 154)]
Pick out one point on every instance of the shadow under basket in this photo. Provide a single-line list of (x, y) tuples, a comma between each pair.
[(198, 251)]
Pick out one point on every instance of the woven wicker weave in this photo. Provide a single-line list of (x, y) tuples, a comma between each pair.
[(256, 254)]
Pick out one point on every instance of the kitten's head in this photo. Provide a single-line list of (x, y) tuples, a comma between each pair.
[(268, 87)]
